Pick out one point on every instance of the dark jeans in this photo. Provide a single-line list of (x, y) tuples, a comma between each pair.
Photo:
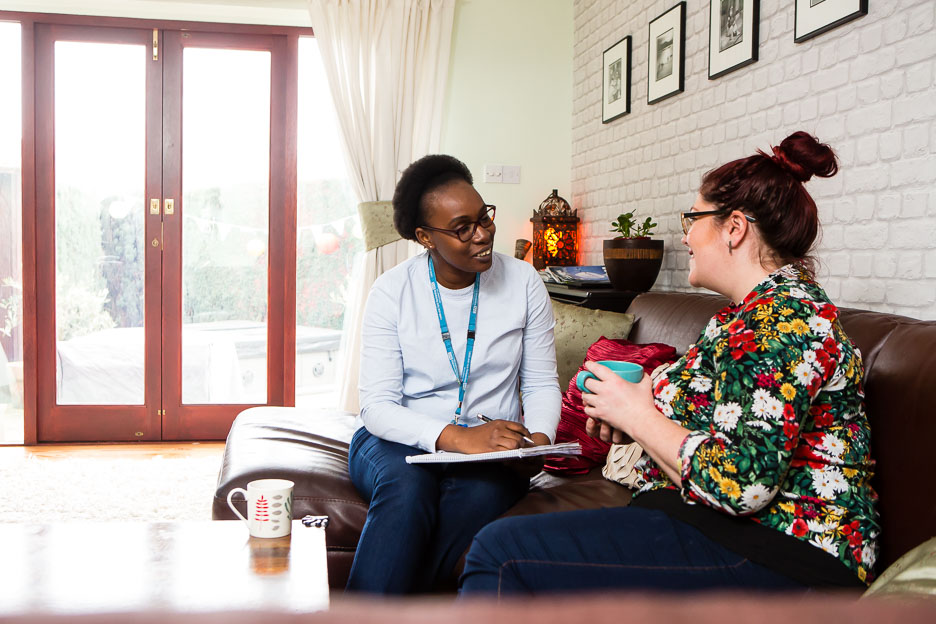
[(421, 517), (605, 549)]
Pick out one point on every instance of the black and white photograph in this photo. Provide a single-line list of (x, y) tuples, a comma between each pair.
[(666, 56), (733, 35), (814, 17), (730, 23), (616, 79)]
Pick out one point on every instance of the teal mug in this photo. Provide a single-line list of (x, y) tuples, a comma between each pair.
[(628, 371)]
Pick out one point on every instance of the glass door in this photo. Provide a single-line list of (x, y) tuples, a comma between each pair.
[(97, 106), (223, 306), (161, 204)]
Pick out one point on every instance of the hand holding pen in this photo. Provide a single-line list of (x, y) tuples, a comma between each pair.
[(486, 419)]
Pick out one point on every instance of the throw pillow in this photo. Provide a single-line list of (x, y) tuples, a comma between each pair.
[(577, 327), (913, 574), (572, 420)]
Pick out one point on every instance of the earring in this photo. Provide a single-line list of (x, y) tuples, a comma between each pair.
[(729, 248)]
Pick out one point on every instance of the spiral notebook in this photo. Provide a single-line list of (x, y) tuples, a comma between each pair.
[(444, 457)]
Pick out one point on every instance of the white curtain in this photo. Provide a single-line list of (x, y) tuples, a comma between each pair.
[(387, 64)]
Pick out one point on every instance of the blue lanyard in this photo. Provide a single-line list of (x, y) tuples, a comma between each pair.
[(447, 337)]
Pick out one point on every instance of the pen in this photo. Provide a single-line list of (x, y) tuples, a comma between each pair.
[(487, 420)]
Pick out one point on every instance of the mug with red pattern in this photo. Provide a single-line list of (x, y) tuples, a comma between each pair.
[(269, 507)]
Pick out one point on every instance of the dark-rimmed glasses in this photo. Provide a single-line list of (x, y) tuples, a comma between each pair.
[(686, 218), (466, 232)]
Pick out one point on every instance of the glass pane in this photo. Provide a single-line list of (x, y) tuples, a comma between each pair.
[(328, 235), (11, 237), (100, 170), (225, 224)]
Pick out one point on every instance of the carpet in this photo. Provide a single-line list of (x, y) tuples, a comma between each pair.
[(153, 489)]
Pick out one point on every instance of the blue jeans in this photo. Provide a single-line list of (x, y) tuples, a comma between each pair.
[(621, 548), (421, 517)]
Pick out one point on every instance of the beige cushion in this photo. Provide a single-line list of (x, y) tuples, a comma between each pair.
[(377, 224), (577, 328), (912, 574)]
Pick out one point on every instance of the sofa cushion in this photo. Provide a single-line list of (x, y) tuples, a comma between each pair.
[(310, 448), (912, 574), (572, 419), (577, 327)]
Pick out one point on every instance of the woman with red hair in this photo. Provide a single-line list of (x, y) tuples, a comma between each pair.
[(757, 466)]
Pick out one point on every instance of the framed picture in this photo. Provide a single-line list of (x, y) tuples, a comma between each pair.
[(814, 17), (733, 35), (666, 57), (616, 80)]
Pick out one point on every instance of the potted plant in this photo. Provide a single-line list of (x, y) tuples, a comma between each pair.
[(633, 259)]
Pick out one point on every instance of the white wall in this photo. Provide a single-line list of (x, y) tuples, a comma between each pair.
[(866, 88), (509, 101)]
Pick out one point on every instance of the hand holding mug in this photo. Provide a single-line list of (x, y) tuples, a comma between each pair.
[(627, 371), (612, 404)]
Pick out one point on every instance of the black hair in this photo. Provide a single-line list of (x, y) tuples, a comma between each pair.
[(419, 180)]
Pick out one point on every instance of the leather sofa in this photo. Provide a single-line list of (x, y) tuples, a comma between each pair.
[(309, 446)]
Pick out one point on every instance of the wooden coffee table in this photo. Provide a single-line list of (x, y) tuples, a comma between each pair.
[(172, 567)]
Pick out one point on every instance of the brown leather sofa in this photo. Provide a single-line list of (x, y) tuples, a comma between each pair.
[(310, 447)]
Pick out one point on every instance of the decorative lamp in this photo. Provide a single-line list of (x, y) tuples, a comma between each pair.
[(555, 233)]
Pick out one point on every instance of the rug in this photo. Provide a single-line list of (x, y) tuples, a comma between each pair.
[(153, 489)]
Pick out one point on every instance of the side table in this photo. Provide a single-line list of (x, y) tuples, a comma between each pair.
[(592, 298)]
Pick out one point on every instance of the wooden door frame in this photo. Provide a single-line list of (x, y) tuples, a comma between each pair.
[(285, 250)]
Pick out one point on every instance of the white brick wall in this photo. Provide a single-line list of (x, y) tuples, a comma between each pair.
[(866, 88)]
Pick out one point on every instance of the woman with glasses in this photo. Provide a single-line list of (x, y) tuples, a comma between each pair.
[(756, 468), (455, 332)]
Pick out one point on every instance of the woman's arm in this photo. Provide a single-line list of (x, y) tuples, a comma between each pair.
[(381, 377), (769, 365), (539, 382)]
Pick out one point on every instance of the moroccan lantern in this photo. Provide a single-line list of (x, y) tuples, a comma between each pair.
[(555, 233)]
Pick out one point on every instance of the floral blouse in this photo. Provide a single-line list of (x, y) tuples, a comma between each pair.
[(772, 394)]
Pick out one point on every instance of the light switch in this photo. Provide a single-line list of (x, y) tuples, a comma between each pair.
[(511, 174), (493, 174)]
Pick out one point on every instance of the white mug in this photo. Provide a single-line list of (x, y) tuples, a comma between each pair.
[(269, 507)]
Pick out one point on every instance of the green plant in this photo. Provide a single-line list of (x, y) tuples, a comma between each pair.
[(628, 227)]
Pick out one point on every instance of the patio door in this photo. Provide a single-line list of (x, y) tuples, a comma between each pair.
[(162, 203)]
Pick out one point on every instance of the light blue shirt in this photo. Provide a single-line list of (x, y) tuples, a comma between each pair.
[(408, 391)]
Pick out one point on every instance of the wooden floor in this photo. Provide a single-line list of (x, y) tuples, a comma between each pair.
[(136, 450)]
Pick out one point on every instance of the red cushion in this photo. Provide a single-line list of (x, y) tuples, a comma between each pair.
[(572, 422)]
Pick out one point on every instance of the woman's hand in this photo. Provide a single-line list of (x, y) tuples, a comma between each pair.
[(619, 406), (605, 432), (618, 410), (499, 435)]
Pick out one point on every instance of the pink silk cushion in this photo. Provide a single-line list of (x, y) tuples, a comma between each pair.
[(572, 421)]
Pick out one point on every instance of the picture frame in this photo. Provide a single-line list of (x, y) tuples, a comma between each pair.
[(814, 17), (666, 54), (733, 35), (616, 80)]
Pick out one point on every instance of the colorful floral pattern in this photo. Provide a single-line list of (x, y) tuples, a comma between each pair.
[(772, 394)]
